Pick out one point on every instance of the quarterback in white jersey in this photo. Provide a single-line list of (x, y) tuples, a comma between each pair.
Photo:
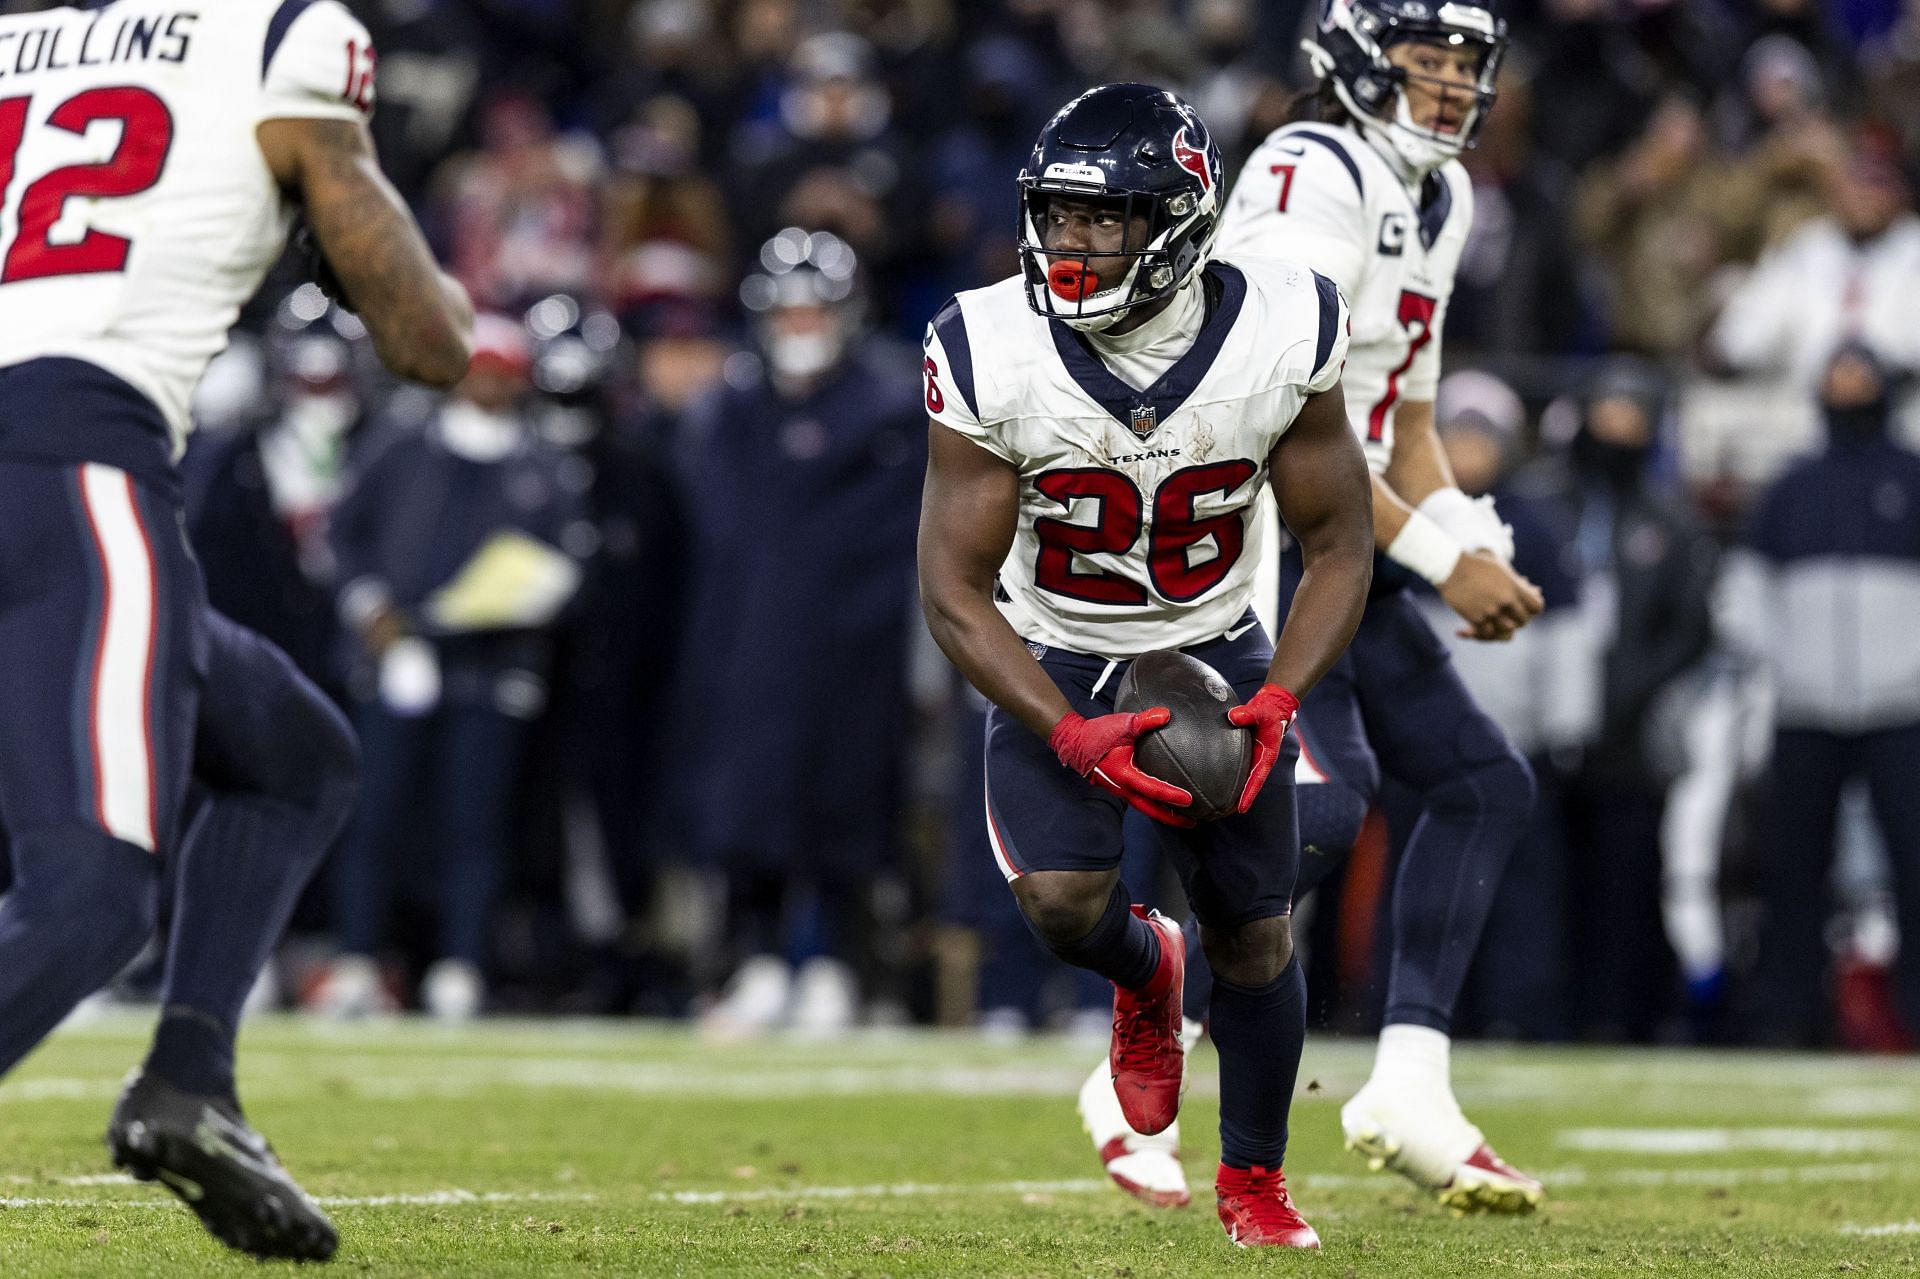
[(1101, 428), (152, 158), (1368, 191)]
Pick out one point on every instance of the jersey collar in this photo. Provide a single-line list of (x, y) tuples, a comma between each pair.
[(1135, 409)]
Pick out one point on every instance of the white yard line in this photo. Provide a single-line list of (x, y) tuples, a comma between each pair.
[(1908, 1227), (1555, 1178), (1719, 1141)]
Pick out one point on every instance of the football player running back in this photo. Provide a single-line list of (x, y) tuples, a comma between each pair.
[(154, 156), (1369, 193), (1102, 427)]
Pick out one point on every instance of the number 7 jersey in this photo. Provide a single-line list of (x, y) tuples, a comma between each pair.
[(1136, 527), (1321, 194), (136, 211)]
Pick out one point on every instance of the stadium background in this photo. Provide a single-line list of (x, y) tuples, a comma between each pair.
[(605, 173)]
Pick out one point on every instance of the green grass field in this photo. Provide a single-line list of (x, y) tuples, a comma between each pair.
[(529, 1148)]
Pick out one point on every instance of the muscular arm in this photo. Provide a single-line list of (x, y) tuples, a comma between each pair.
[(1320, 479), (419, 317), (967, 518)]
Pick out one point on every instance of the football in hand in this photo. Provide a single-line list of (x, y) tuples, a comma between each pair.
[(1198, 750)]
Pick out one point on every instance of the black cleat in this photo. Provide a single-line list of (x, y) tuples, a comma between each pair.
[(202, 1149)]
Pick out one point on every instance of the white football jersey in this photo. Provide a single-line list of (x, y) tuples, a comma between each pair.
[(1136, 526), (1321, 194), (138, 212)]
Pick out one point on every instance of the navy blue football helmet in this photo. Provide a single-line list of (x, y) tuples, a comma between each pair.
[(1145, 152), (1349, 50)]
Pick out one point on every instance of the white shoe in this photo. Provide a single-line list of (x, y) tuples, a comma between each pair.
[(826, 1000), (1148, 1168), (755, 999), (1427, 1140), (453, 990), (353, 987)]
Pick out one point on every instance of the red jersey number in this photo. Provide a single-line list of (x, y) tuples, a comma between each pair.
[(1416, 316), (1119, 514), (146, 135)]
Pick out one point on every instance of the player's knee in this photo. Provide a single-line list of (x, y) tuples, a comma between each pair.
[(93, 898), (1500, 785), (1062, 906), (1331, 814), (327, 779), (1251, 954)]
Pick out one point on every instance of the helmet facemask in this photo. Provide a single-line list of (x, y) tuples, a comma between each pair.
[(1093, 290), (1352, 55)]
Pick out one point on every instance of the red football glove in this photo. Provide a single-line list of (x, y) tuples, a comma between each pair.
[(1101, 750), (1269, 715)]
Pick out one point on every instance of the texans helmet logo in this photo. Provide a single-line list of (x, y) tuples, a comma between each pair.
[(1192, 159)]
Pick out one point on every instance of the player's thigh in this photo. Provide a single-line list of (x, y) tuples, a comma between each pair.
[(1039, 815), (1425, 726), (263, 727), (1242, 868), (101, 654)]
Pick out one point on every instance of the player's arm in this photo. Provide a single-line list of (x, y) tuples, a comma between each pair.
[(1319, 478), (969, 511), (419, 317)]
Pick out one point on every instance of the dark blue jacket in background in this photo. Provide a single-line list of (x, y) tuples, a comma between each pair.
[(1840, 532), (250, 559), (792, 709), (415, 513)]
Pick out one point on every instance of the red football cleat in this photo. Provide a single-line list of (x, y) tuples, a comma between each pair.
[(1257, 1210), (1146, 1057)]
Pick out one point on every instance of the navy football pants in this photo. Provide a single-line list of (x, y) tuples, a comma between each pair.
[(1393, 701), (105, 646)]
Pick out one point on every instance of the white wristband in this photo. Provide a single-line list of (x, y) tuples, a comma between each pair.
[(1451, 509), (1425, 547)]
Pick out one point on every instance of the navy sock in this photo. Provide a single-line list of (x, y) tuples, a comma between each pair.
[(1122, 947), (192, 1051), (80, 908), (1259, 1032), (241, 870)]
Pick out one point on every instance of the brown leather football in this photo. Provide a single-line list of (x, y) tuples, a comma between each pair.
[(1198, 750)]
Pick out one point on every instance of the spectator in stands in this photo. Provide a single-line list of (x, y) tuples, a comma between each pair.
[(519, 214), (1645, 570), (1851, 276), (832, 160), (1656, 220), (1518, 290), (1836, 542), (800, 479), (259, 496), (457, 552)]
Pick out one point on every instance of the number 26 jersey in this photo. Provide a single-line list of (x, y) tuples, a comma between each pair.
[(136, 211), (1136, 526)]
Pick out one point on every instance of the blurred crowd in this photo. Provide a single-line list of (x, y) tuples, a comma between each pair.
[(627, 621)]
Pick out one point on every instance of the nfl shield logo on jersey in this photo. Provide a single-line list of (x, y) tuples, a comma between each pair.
[(1146, 420)]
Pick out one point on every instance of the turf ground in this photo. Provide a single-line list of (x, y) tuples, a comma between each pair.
[(523, 1148)]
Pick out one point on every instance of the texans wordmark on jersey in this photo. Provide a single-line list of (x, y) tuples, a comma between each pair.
[(1135, 529)]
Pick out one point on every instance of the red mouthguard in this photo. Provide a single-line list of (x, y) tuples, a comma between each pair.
[(1071, 280)]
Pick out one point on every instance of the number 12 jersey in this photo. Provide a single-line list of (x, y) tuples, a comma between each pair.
[(1136, 526), (136, 211)]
